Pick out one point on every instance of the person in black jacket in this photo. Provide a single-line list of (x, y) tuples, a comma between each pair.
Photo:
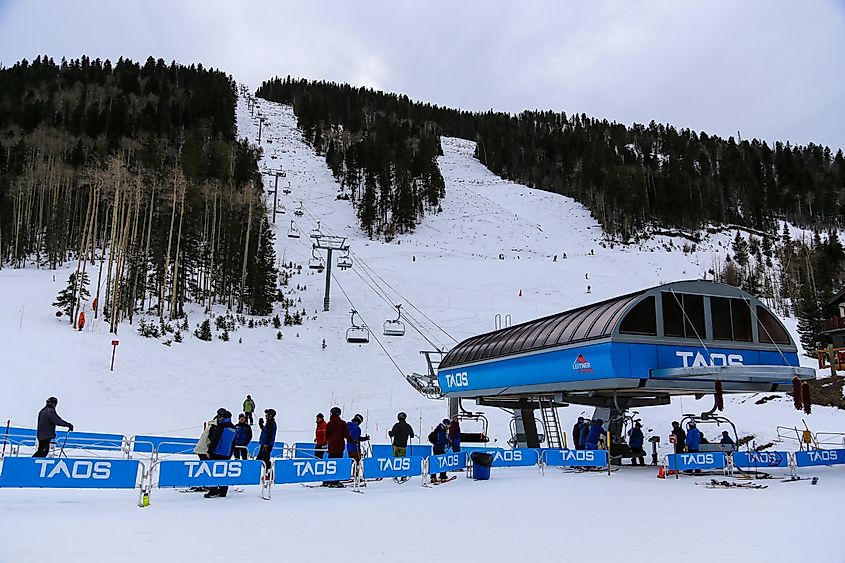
[(400, 433), (268, 437), (48, 419), (221, 444), (678, 437), (576, 433)]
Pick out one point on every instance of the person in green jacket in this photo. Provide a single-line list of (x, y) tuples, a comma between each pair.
[(249, 407)]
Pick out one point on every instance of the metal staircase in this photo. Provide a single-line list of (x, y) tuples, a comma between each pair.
[(551, 423)]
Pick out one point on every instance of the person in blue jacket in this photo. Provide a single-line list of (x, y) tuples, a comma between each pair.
[(635, 441), (353, 444), (693, 440), (582, 437), (221, 444), (243, 436), (439, 439), (594, 435)]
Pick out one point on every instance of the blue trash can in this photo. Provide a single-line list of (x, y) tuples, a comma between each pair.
[(481, 463)]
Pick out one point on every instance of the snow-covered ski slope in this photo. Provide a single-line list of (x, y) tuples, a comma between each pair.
[(448, 272)]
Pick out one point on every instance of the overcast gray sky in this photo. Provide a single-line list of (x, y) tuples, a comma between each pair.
[(770, 68)]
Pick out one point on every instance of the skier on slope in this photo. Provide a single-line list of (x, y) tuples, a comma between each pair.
[(249, 408), (595, 434), (320, 443), (576, 434), (221, 444), (48, 419), (243, 436), (400, 433), (337, 432), (455, 434), (439, 438), (267, 438), (353, 443)]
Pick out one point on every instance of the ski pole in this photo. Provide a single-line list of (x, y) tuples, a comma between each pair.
[(62, 451), (5, 437)]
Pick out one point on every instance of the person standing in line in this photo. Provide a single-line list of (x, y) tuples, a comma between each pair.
[(243, 436), (337, 432), (455, 434), (201, 449), (693, 441), (400, 433), (48, 419), (267, 438), (635, 441), (582, 437), (576, 434), (678, 437), (320, 442), (221, 444), (439, 438), (353, 443), (595, 434), (249, 408)]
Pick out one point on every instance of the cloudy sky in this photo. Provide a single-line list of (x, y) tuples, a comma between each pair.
[(767, 68)]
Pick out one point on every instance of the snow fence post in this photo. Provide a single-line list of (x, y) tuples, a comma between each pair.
[(114, 344), (146, 485), (607, 445), (268, 476)]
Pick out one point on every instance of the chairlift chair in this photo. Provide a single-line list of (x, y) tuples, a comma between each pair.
[(316, 233), (316, 262), (293, 232), (286, 191), (357, 334), (345, 261), (298, 211), (395, 327)]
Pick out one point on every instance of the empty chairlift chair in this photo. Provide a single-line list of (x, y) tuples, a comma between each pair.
[(316, 262), (316, 233), (345, 261), (395, 327), (293, 232), (357, 334), (299, 212)]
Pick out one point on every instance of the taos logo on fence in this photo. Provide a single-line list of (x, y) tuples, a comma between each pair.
[(698, 459), (318, 467), (581, 365), (507, 455), (716, 359), (822, 455), (459, 379), (578, 455), (198, 469), (50, 468), (394, 464)]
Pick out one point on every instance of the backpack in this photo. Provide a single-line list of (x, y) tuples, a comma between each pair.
[(225, 443), (433, 437)]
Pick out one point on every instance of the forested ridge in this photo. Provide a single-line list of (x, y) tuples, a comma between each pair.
[(632, 178), (132, 173)]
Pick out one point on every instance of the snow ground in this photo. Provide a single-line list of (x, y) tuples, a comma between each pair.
[(449, 269)]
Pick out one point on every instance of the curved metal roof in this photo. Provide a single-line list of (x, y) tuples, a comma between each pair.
[(577, 325), (591, 322)]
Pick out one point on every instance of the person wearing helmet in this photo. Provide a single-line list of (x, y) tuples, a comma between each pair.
[(595, 434), (693, 439), (249, 408), (267, 438), (353, 443), (320, 443), (400, 433), (221, 445), (48, 419), (439, 438), (337, 432)]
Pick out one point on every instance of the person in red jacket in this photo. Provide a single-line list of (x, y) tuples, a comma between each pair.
[(320, 442), (337, 432)]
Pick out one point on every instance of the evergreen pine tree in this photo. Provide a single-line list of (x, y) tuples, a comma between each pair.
[(740, 248), (66, 299), (809, 319), (204, 331)]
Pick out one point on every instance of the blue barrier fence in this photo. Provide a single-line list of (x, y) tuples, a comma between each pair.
[(701, 460), (383, 467), (756, 460), (820, 457), (575, 458), (278, 448), (312, 470), (67, 440), (163, 444), (209, 473), (21, 436), (447, 462), (69, 473)]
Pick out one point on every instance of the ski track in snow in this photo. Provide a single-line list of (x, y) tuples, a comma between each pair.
[(450, 269)]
